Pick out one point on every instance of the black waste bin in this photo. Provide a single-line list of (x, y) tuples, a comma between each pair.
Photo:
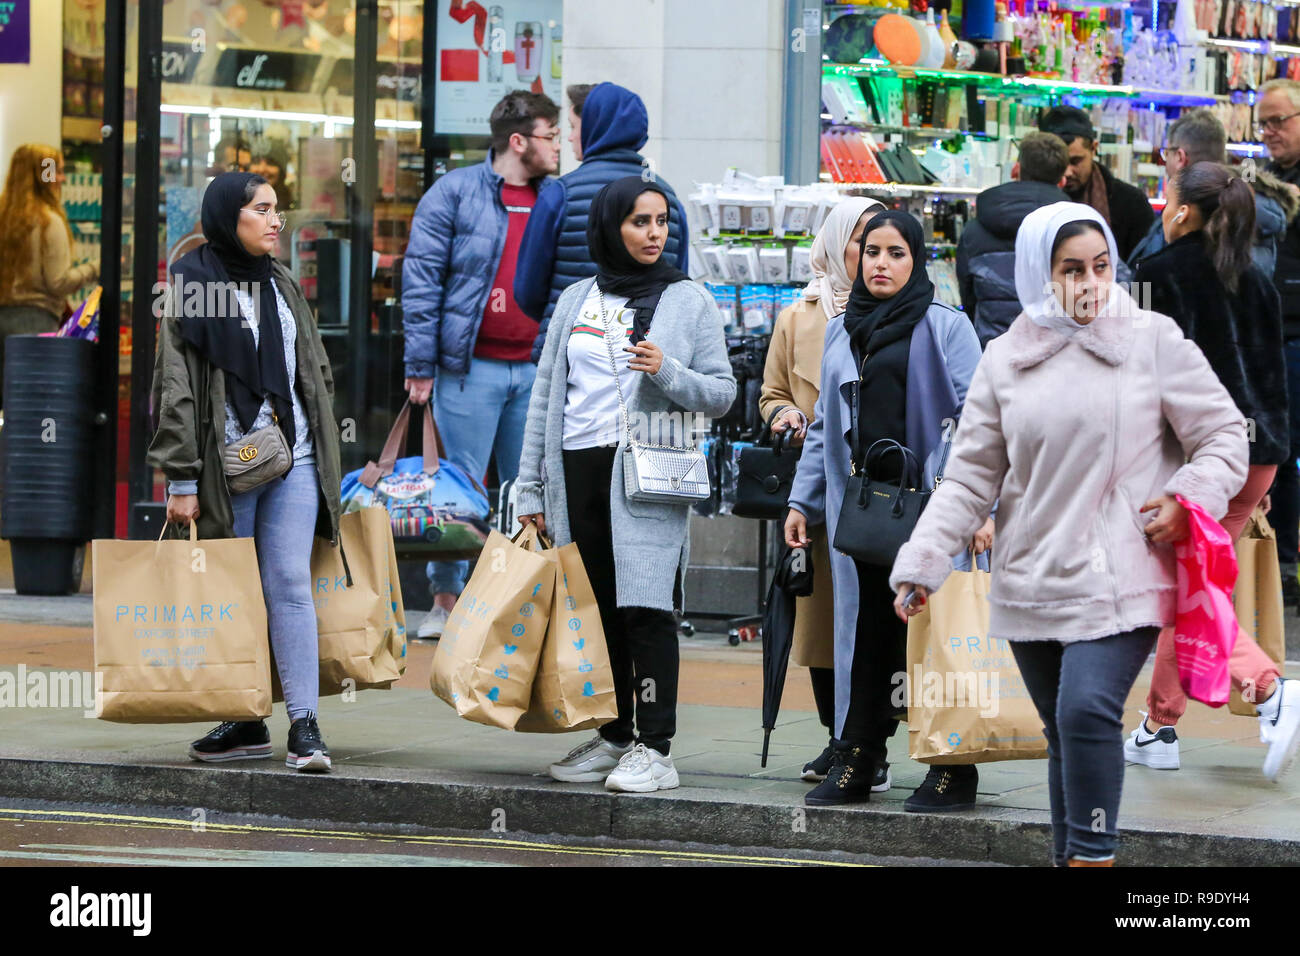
[(47, 509)]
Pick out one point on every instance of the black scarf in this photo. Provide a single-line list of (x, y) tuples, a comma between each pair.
[(875, 323), (618, 273), (253, 371)]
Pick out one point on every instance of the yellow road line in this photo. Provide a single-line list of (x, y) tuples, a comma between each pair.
[(91, 818)]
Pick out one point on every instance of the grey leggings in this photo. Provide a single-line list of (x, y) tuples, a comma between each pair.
[(1079, 690), (281, 516)]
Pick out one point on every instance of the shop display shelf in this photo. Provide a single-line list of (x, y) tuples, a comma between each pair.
[(994, 83), (907, 189)]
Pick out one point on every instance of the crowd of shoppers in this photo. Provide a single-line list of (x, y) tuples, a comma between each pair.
[(544, 315)]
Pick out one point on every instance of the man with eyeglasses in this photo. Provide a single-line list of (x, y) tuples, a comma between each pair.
[(1278, 114), (467, 339)]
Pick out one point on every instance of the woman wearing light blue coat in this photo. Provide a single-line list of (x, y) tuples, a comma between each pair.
[(918, 365)]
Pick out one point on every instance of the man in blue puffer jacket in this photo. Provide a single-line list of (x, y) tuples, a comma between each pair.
[(462, 324), (554, 253)]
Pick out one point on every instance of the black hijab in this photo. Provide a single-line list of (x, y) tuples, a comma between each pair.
[(254, 371), (618, 273), (875, 323)]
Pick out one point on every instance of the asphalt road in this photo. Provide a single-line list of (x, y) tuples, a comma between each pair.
[(34, 834)]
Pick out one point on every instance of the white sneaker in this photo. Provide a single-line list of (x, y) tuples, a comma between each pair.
[(1159, 751), (643, 770), (1279, 727), (591, 762), (432, 625)]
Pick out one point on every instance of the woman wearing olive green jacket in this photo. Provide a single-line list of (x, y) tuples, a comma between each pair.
[(217, 379)]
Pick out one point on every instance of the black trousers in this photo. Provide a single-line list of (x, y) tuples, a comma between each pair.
[(879, 662), (823, 688), (642, 642)]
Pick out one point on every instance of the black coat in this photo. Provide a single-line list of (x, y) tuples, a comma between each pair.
[(1286, 274), (1130, 211), (1240, 334), (986, 254)]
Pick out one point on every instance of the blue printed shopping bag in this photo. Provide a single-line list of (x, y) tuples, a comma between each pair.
[(490, 646), (432, 503)]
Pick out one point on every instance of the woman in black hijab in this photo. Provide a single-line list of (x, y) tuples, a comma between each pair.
[(664, 334), (909, 360), (238, 354)]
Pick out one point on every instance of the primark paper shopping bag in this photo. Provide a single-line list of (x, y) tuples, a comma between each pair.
[(487, 657), (574, 687), (1257, 598), (180, 630)]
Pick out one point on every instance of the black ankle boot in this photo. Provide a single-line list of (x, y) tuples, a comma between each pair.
[(850, 779), (945, 789)]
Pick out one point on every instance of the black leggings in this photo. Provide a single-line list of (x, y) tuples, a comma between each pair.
[(642, 642)]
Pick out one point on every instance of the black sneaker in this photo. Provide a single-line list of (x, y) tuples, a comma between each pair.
[(850, 780), (816, 770), (307, 752), (881, 781), (944, 790), (233, 740)]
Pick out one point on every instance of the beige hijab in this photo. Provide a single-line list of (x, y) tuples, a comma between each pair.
[(831, 282)]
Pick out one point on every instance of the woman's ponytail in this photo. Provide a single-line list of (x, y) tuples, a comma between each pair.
[(1227, 204)]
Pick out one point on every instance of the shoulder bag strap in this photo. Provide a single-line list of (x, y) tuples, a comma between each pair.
[(613, 365)]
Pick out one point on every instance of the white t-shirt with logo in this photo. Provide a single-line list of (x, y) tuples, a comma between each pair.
[(591, 415)]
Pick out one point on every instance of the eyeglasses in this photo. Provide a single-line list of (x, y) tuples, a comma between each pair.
[(270, 214), (1165, 152), (554, 138), (1273, 123)]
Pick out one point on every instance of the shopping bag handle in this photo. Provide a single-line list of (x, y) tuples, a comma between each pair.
[(533, 533), (194, 530), (432, 448)]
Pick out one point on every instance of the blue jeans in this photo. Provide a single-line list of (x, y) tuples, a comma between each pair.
[(1285, 516), (1079, 691), (281, 517), (479, 413)]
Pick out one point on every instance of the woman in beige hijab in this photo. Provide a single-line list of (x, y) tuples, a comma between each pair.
[(791, 379)]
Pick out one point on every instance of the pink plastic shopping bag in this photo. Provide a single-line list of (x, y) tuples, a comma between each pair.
[(1205, 628)]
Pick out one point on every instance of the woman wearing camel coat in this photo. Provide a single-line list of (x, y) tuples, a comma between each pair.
[(791, 382)]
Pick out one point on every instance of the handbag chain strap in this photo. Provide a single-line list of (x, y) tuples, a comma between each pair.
[(613, 364)]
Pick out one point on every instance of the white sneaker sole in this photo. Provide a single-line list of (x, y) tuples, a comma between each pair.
[(315, 762), (1282, 750), (254, 752), (668, 781), (884, 787), (1133, 754)]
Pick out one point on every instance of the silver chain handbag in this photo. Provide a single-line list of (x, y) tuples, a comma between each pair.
[(665, 473)]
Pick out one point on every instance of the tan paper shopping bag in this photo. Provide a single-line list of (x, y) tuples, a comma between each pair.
[(361, 628), (487, 657), (1257, 598), (966, 700), (574, 687), (180, 630)]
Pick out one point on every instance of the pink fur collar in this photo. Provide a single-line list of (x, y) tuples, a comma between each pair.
[(1108, 337)]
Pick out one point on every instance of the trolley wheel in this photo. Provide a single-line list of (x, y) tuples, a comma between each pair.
[(733, 637), (686, 629)]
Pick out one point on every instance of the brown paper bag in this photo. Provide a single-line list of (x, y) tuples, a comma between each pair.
[(180, 631), (574, 687), (1257, 598), (966, 700), (487, 657)]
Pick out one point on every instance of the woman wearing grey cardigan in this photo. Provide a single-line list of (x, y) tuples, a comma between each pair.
[(673, 369)]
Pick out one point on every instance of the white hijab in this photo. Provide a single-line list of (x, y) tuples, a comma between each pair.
[(831, 282), (1034, 242)]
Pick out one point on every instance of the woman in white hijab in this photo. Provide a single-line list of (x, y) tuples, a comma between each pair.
[(1084, 421), (791, 378)]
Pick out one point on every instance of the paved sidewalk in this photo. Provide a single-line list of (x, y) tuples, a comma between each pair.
[(403, 756)]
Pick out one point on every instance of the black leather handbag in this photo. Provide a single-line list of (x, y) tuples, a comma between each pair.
[(764, 476)]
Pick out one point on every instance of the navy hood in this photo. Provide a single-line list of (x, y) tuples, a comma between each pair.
[(1001, 209), (613, 118)]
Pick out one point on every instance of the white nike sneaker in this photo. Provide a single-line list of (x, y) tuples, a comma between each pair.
[(432, 626), (1279, 727), (1159, 751), (591, 762), (643, 770)]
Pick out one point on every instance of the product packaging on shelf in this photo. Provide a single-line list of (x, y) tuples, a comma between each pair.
[(715, 261), (800, 263), (725, 296), (743, 260), (773, 264)]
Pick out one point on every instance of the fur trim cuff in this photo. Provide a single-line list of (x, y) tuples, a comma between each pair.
[(920, 564)]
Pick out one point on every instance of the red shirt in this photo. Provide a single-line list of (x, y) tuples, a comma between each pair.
[(507, 333)]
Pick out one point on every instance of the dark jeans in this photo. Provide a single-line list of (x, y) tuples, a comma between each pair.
[(643, 651), (823, 688), (1285, 516), (879, 655), (1079, 691)]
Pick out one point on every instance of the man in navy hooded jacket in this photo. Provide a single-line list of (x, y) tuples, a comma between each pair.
[(553, 254)]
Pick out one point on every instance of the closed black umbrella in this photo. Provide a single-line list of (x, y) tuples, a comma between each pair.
[(793, 578)]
